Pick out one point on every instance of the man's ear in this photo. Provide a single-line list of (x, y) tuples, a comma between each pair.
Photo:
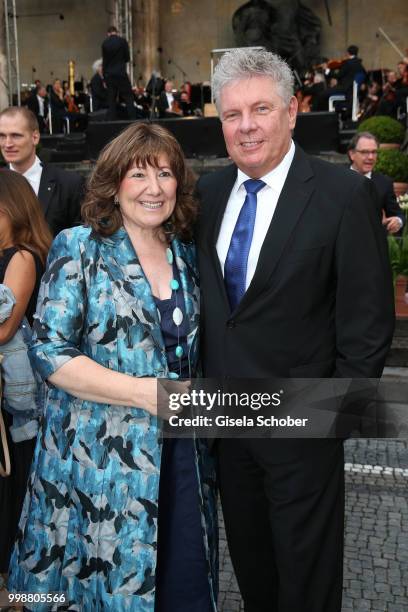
[(292, 110), (36, 137)]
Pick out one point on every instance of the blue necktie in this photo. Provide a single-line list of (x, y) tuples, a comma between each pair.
[(235, 269)]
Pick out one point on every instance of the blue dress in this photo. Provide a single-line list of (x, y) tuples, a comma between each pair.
[(181, 575), (89, 523)]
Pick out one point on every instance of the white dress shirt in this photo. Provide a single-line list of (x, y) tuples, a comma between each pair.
[(267, 199), (40, 106), (33, 174), (170, 99)]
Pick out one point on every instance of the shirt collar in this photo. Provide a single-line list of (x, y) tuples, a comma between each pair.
[(274, 179), (33, 171), (368, 174)]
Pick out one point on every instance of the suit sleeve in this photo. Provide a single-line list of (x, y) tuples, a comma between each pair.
[(364, 295), (80, 194), (75, 196), (127, 53), (59, 319), (391, 206)]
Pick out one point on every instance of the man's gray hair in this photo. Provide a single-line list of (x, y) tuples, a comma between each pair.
[(355, 140), (97, 64), (240, 64)]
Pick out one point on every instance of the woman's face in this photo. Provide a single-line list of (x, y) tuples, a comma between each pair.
[(147, 196)]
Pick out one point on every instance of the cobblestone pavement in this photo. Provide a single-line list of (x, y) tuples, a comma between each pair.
[(376, 535)]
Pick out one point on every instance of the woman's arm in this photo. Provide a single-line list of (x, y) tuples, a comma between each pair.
[(20, 277), (88, 380)]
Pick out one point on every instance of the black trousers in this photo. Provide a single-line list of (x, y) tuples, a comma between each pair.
[(283, 505), (118, 85), (12, 492)]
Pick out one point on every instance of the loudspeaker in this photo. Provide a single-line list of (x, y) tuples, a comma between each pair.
[(317, 132), (198, 136)]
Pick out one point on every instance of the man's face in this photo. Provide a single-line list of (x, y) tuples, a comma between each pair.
[(256, 124), (17, 141), (392, 77), (168, 86), (364, 155)]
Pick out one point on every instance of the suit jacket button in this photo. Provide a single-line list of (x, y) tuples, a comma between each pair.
[(231, 324)]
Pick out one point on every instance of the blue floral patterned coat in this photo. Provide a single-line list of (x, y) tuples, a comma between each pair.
[(89, 524)]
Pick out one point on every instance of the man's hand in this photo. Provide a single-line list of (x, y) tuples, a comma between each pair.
[(393, 224)]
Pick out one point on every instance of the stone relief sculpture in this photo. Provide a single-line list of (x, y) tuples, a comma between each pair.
[(286, 27)]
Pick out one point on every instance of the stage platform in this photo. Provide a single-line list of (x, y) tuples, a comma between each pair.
[(200, 137)]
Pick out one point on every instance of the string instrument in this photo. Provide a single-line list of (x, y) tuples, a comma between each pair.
[(304, 102), (70, 102), (175, 107), (332, 64)]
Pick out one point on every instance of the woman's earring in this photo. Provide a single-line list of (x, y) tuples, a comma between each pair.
[(116, 200)]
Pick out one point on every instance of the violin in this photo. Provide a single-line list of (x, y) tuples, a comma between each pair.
[(70, 102), (332, 64), (304, 102), (175, 107)]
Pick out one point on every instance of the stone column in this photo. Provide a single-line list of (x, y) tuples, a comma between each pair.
[(145, 39), (4, 100)]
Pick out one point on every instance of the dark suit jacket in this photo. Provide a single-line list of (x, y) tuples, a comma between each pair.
[(348, 72), (60, 194), (321, 301), (99, 93), (115, 55), (385, 190), (163, 105), (34, 106)]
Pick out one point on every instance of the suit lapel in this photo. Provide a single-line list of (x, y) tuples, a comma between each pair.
[(214, 224), (293, 199), (47, 188)]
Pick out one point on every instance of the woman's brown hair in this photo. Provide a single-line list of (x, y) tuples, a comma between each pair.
[(18, 201), (141, 144)]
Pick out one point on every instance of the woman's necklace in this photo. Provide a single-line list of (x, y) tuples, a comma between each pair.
[(177, 314)]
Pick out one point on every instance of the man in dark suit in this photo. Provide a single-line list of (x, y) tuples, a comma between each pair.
[(363, 151), (351, 70), (99, 90), (38, 104), (115, 55), (59, 192), (167, 102), (295, 282)]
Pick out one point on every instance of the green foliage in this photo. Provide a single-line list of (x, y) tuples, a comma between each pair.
[(386, 129), (398, 252), (394, 164)]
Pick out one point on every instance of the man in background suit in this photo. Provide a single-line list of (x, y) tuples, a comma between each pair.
[(295, 282), (60, 192), (363, 151), (115, 56), (38, 104)]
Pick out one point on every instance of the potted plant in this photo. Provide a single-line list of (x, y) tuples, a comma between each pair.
[(398, 252), (394, 164), (389, 131)]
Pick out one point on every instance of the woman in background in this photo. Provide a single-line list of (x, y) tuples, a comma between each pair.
[(24, 243)]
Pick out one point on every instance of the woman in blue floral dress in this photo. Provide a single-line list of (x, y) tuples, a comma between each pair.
[(116, 518)]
